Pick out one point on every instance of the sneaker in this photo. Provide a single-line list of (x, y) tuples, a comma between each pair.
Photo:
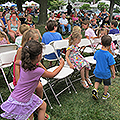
[(105, 96), (95, 94)]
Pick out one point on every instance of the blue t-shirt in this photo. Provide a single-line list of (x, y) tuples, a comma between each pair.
[(47, 38), (114, 31), (104, 60)]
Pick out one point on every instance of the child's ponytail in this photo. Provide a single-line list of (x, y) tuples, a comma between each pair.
[(30, 51)]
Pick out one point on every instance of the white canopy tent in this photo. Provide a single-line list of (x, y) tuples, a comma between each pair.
[(30, 4), (9, 4)]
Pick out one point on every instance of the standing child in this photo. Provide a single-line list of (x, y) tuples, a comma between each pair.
[(76, 60), (104, 62), (23, 102)]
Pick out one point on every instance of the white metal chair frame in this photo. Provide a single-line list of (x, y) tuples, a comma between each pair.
[(6, 61), (62, 75)]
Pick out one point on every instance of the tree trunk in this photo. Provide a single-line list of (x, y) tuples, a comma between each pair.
[(112, 3), (43, 12), (19, 5)]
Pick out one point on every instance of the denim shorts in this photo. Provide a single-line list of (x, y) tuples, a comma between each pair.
[(106, 82)]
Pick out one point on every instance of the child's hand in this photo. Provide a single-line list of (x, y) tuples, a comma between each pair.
[(62, 62), (71, 66), (113, 76)]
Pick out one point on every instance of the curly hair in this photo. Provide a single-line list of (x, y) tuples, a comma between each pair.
[(30, 51)]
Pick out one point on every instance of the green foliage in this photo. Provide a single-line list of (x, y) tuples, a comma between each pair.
[(117, 10), (85, 7), (56, 4), (102, 5)]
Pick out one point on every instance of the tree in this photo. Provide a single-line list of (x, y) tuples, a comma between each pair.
[(19, 5), (112, 3), (102, 5), (43, 12), (56, 4), (85, 7)]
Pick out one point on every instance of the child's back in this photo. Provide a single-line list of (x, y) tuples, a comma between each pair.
[(103, 61)]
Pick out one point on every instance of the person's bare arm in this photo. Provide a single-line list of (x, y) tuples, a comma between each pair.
[(67, 59), (113, 71), (40, 64), (48, 74), (17, 67)]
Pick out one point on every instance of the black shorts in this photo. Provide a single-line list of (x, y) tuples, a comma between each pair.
[(106, 82)]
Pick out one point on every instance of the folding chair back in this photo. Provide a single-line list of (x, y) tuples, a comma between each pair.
[(7, 47), (6, 60), (7, 57)]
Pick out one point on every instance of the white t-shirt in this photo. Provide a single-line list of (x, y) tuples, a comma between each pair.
[(63, 21), (18, 41), (89, 32)]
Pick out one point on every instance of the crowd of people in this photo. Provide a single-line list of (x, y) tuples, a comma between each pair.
[(28, 69)]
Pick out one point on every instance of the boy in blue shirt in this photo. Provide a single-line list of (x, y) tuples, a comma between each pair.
[(114, 29), (104, 62)]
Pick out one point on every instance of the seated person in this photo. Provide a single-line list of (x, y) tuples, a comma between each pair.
[(29, 21), (75, 20), (114, 29), (58, 15), (64, 23), (94, 25), (3, 38), (52, 17), (106, 23), (51, 35), (13, 27), (22, 29)]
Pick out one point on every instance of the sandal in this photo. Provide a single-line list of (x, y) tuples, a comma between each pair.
[(89, 81), (84, 83), (47, 117)]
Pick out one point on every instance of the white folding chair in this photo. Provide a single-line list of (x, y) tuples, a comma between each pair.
[(7, 47), (86, 45), (6, 61), (63, 75)]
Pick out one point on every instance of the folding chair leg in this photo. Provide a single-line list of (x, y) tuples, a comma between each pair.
[(54, 94), (72, 85), (11, 72), (6, 79), (116, 70), (47, 99), (67, 85), (1, 97)]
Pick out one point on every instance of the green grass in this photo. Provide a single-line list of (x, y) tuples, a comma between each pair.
[(79, 106)]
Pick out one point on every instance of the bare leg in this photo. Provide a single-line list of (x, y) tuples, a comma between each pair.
[(105, 89), (82, 74), (97, 85), (39, 90), (83, 82), (41, 111), (12, 35), (87, 73)]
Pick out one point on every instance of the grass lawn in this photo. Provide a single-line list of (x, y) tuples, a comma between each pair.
[(79, 106)]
